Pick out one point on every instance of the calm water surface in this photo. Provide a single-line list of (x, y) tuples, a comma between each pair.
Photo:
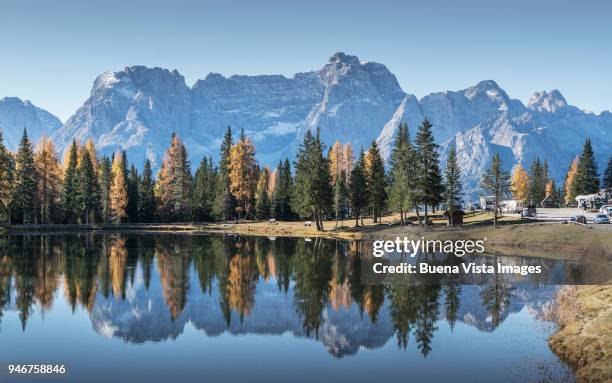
[(156, 308)]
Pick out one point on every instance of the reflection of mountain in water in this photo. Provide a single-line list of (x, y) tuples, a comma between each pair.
[(144, 315)]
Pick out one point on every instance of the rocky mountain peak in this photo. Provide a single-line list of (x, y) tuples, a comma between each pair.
[(547, 101), (341, 57)]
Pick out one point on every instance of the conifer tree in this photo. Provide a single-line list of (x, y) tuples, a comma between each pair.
[(6, 181), (430, 178), (204, 190), (262, 200), (133, 184), (402, 174), (587, 180), (357, 188), (520, 183), (281, 195), (375, 181), (224, 201), (243, 176), (495, 182), (88, 190), (453, 189), (25, 185), (146, 196), (174, 184), (607, 177), (340, 196), (118, 190), (69, 195), (105, 180), (569, 182), (537, 186), (49, 181), (312, 194)]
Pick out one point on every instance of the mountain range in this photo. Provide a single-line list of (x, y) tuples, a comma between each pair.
[(138, 108)]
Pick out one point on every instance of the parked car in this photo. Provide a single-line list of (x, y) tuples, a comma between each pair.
[(578, 219), (601, 218), (607, 210), (529, 212)]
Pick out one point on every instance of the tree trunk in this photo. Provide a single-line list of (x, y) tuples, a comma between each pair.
[(426, 214), (416, 208)]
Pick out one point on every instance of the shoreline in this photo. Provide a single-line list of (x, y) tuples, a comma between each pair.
[(584, 337)]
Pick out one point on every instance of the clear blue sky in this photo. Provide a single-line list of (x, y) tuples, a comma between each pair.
[(52, 50)]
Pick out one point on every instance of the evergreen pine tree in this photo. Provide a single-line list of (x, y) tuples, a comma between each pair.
[(453, 185), (537, 185), (224, 200), (496, 182), (6, 181), (262, 200), (375, 181), (340, 196), (312, 194), (146, 195), (358, 197), (133, 184), (430, 178), (105, 180), (25, 186), (587, 180), (69, 196), (281, 195), (88, 190), (401, 174), (607, 177)]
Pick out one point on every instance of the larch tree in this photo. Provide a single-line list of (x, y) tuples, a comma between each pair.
[(262, 200), (25, 185), (49, 180), (174, 183), (607, 177), (243, 176), (358, 197), (430, 178), (520, 183), (376, 181), (69, 195), (146, 194), (453, 189), (118, 190), (587, 179), (495, 182), (568, 188), (6, 181), (88, 190)]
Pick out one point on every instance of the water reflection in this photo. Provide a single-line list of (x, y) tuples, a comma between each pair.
[(145, 288)]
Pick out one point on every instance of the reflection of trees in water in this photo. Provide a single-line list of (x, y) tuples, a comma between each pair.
[(414, 310), (312, 276), (321, 275), (173, 260), (496, 295)]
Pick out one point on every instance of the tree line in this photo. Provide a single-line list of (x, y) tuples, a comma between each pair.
[(36, 188)]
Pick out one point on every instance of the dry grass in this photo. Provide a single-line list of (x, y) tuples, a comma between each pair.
[(584, 340)]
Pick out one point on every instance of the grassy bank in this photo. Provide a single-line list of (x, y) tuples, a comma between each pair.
[(584, 339)]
